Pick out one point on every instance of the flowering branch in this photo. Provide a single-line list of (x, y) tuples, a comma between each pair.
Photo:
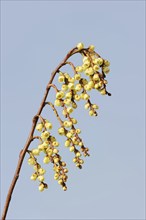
[(73, 89)]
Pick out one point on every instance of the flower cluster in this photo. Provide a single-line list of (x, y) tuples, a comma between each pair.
[(48, 146), (76, 88), (73, 139), (73, 89)]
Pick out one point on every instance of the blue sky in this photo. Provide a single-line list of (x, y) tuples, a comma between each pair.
[(35, 37)]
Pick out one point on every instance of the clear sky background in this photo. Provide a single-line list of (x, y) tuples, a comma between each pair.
[(35, 37)]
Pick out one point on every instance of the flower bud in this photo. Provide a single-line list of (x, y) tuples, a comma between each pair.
[(35, 152), (72, 148), (75, 160), (91, 84), (87, 87), (41, 147), (48, 125), (84, 67), (60, 181), (96, 67), (39, 127), (56, 168), (72, 131), (106, 69), (84, 81), (41, 178), (67, 101), (77, 97), (31, 161), (81, 161), (45, 135), (82, 95), (67, 124), (56, 159), (64, 188), (81, 144), (103, 92), (78, 154), (68, 95), (67, 143), (69, 134), (74, 138), (100, 84), (96, 86), (64, 87), (41, 171), (74, 121), (98, 61), (91, 47), (76, 142), (56, 176), (45, 143), (57, 102), (63, 164), (87, 72), (78, 87), (41, 187), (91, 112), (65, 170), (59, 95), (49, 151), (52, 138), (86, 96), (71, 79), (61, 79), (78, 131), (86, 64), (79, 69), (74, 105), (106, 63), (87, 105), (55, 143), (90, 71), (71, 86), (61, 131), (96, 77), (55, 151), (80, 46), (77, 76), (78, 165), (69, 110), (33, 176), (46, 160), (95, 106)]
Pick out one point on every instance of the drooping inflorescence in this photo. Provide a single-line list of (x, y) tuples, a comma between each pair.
[(88, 76), (49, 146)]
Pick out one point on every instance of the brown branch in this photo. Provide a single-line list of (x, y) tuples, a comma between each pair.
[(37, 137), (52, 85), (30, 137), (72, 65), (55, 111)]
